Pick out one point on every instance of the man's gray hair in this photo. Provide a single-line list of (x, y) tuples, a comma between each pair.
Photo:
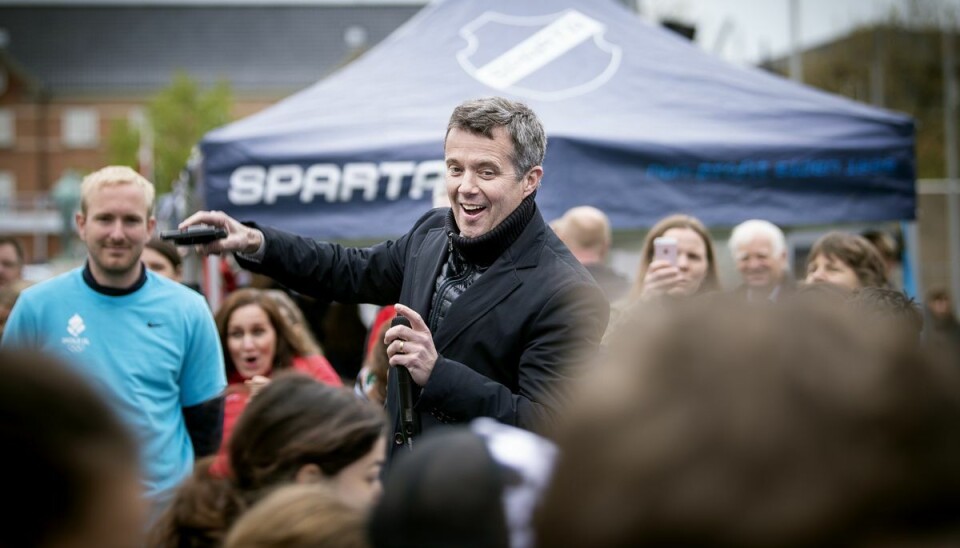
[(482, 116), (748, 230)]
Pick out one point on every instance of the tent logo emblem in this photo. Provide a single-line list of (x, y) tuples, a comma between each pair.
[(546, 58)]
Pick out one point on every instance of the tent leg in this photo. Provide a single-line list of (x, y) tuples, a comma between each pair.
[(910, 259)]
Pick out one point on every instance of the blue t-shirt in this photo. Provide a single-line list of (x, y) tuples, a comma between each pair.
[(151, 353)]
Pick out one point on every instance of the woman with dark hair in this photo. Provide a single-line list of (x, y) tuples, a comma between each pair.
[(695, 270), (163, 258), (258, 341), (296, 430), (846, 260)]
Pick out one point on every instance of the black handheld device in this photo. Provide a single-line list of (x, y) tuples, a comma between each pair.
[(408, 419), (196, 234)]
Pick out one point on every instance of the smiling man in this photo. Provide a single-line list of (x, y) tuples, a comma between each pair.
[(760, 252), (148, 343), (500, 311)]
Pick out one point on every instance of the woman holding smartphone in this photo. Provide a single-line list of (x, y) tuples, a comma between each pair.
[(677, 260)]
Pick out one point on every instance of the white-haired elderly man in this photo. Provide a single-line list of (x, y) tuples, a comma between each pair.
[(760, 253)]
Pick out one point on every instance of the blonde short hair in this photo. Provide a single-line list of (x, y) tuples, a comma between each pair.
[(586, 227), (114, 176)]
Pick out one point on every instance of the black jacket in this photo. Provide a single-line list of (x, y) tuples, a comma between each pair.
[(506, 346)]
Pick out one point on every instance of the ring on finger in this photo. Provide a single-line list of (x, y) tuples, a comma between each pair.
[(401, 346)]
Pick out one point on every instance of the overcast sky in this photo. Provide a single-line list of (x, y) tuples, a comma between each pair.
[(758, 29), (752, 30)]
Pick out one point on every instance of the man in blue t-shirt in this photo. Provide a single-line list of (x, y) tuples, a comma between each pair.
[(149, 344)]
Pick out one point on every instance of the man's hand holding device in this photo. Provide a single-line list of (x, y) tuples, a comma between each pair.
[(236, 236), (192, 235)]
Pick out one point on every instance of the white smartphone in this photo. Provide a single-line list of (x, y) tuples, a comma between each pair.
[(665, 249)]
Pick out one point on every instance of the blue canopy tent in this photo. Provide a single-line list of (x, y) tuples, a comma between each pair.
[(640, 124)]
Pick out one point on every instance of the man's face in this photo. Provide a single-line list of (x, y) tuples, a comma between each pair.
[(481, 182), (115, 229), (760, 268), (10, 267)]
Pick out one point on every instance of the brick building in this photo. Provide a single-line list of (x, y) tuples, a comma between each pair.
[(69, 71)]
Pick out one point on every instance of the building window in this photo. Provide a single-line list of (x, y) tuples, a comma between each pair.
[(81, 128), (8, 131), (7, 185)]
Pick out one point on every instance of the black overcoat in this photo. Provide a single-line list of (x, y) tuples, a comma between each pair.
[(507, 345)]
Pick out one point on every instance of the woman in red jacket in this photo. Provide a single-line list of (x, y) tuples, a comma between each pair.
[(257, 342)]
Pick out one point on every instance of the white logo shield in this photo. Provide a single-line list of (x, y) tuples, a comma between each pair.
[(546, 58), (75, 325)]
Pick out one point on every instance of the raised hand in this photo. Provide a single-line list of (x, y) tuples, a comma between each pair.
[(411, 347)]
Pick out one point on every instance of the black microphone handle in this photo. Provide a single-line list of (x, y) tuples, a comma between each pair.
[(405, 390)]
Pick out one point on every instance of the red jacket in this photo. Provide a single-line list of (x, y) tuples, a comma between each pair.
[(238, 394)]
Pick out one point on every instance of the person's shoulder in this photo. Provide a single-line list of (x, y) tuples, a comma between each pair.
[(166, 288), (434, 218), (54, 286), (558, 262)]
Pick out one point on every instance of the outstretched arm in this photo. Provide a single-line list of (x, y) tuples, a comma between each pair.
[(240, 238)]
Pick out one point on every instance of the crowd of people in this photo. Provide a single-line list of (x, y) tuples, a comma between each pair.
[(533, 396)]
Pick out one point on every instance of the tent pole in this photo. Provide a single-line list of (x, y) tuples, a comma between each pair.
[(910, 259)]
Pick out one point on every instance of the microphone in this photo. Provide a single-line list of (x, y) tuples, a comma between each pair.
[(408, 421)]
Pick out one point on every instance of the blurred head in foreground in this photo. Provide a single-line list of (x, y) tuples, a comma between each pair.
[(72, 474), (301, 516), (783, 426)]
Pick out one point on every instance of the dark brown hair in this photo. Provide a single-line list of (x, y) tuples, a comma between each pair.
[(288, 345), (854, 251), (168, 250), (292, 422)]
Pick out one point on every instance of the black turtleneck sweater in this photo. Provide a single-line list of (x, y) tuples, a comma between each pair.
[(469, 258)]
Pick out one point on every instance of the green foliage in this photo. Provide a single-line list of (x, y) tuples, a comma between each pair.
[(906, 53), (123, 144), (179, 116), (910, 62)]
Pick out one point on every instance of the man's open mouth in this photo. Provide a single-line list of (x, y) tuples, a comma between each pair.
[(472, 209)]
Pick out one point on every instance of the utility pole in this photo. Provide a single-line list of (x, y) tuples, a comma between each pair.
[(796, 59), (950, 142), (876, 69)]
